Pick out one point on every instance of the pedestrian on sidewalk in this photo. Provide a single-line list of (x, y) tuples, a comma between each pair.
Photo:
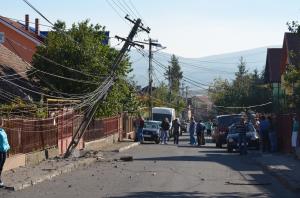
[(176, 128), (264, 133), (141, 123), (192, 130), (4, 147), (200, 133), (295, 131), (165, 126)]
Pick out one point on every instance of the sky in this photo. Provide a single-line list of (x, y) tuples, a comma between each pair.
[(188, 28)]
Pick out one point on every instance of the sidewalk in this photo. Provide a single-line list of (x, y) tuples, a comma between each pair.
[(284, 167), (24, 177)]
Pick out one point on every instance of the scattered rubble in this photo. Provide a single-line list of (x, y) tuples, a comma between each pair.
[(126, 158)]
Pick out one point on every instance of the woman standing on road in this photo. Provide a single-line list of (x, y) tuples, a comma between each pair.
[(192, 130), (4, 147)]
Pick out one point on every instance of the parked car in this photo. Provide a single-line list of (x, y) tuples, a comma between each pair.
[(252, 138), (221, 124), (151, 131)]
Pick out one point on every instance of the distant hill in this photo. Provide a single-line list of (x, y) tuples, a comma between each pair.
[(203, 69)]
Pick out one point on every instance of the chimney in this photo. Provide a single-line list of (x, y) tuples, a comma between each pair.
[(37, 27), (26, 21)]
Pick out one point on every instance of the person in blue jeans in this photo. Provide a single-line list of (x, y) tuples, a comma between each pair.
[(192, 130), (141, 124), (242, 130), (4, 147), (165, 127)]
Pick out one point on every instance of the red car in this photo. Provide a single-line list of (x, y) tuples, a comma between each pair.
[(222, 122)]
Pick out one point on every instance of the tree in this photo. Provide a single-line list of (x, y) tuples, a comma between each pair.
[(292, 73), (79, 61), (174, 74), (161, 98), (245, 90)]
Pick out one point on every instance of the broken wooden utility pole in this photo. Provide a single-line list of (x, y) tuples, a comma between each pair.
[(104, 88)]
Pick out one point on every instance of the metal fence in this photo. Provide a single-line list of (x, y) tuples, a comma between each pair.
[(284, 132), (32, 135), (101, 128)]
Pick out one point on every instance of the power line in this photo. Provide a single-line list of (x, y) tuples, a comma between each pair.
[(243, 107), (30, 5)]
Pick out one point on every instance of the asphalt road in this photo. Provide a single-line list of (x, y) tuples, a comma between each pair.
[(165, 171)]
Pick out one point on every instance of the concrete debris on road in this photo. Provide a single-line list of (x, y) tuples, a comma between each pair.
[(126, 158), (248, 183)]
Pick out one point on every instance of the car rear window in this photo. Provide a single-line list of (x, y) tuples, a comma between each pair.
[(226, 121), (151, 125)]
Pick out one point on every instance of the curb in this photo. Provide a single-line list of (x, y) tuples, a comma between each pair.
[(285, 182), (128, 147), (65, 169)]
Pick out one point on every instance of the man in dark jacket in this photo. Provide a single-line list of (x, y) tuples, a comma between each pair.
[(165, 126), (176, 128), (200, 133)]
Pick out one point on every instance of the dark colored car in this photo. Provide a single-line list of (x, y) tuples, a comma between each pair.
[(151, 131), (252, 138), (222, 122)]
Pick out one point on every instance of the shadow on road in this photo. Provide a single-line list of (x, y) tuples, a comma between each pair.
[(191, 194)]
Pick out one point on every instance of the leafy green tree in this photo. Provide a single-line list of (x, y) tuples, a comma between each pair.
[(245, 90), (292, 73), (161, 98), (174, 74), (78, 64)]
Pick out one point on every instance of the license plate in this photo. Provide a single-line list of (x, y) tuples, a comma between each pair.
[(148, 136)]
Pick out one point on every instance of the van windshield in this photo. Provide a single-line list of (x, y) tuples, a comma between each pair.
[(161, 117)]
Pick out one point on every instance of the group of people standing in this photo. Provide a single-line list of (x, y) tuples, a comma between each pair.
[(267, 128), (198, 130), (175, 128)]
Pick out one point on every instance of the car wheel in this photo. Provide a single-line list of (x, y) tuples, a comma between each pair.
[(157, 141), (229, 149)]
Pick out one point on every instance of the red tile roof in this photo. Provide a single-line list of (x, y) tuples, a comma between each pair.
[(13, 76), (292, 41), (11, 61)]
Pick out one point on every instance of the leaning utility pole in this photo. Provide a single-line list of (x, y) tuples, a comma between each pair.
[(104, 88)]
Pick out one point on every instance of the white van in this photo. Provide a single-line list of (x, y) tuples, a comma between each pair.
[(160, 113)]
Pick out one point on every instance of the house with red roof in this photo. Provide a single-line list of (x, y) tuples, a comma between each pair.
[(273, 75), (277, 61), (21, 38)]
